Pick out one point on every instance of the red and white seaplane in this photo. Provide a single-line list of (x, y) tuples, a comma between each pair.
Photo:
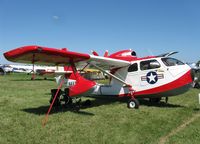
[(148, 77)]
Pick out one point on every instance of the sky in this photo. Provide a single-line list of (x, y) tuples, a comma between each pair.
[(149, 27)]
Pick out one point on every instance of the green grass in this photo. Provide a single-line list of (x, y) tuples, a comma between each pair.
[(191, 134), (24, 103)]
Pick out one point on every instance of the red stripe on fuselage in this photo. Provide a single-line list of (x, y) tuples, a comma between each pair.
[(182, 81)]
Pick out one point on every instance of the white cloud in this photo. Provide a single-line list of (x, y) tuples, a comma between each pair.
[(55, 17)]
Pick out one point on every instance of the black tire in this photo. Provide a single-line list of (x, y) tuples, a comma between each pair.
[(133, 103), (57, 101), (76, 107), (68, 100), (87, 103)]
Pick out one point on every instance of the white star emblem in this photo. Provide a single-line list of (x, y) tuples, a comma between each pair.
[(152, 78)]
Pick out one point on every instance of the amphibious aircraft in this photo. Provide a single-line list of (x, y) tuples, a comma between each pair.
[(150, 77)]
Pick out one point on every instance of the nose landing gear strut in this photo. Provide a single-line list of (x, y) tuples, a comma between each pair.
[(133, 102)]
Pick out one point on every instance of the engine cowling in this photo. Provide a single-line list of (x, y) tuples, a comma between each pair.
[(128, 55)]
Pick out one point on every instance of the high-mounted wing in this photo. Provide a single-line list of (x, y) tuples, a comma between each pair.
[(44, 55), (52, 56), (111, 62)]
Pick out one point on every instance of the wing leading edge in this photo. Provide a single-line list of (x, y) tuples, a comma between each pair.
[(44, 55), (53, 56)]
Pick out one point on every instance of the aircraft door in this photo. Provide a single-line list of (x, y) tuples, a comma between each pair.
[(151, 74), (133, 76)]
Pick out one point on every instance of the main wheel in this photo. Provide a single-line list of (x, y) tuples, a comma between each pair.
[(133, 103), (68, 100), (87, 103), (57, 101)]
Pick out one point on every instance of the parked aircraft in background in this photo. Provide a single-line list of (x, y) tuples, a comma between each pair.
[(196, 70), (5, 69)]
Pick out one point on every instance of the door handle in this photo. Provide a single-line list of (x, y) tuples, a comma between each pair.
[(159, 70)]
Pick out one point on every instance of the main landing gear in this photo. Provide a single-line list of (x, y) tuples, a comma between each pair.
[(133, 103), (63, 99)]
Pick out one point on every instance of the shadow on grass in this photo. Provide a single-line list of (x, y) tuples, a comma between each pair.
[(196, 109), (94, 103), (146, 102), (42, 110), (142, 101), (160, 104)]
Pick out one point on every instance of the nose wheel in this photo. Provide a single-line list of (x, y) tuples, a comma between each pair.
[(133, 103)]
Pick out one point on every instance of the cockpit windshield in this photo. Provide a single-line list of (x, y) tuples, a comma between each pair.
[(171, 61)]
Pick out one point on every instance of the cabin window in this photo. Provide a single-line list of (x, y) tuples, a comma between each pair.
[(133, 67), (171, 61), (149, 64)]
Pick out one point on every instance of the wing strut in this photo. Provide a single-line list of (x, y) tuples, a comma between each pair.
[(113, 76)]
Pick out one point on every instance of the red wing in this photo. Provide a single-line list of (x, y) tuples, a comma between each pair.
[(44, 55)]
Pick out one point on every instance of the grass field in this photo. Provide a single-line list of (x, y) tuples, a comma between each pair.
[(23, 104)]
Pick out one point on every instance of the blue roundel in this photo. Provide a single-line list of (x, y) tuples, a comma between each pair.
[(152, 77)]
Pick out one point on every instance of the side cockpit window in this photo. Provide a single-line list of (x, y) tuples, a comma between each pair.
[(149, 64), (133, 67), (171, 61)]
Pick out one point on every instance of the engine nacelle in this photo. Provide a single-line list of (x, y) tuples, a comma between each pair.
[(128, 55)]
